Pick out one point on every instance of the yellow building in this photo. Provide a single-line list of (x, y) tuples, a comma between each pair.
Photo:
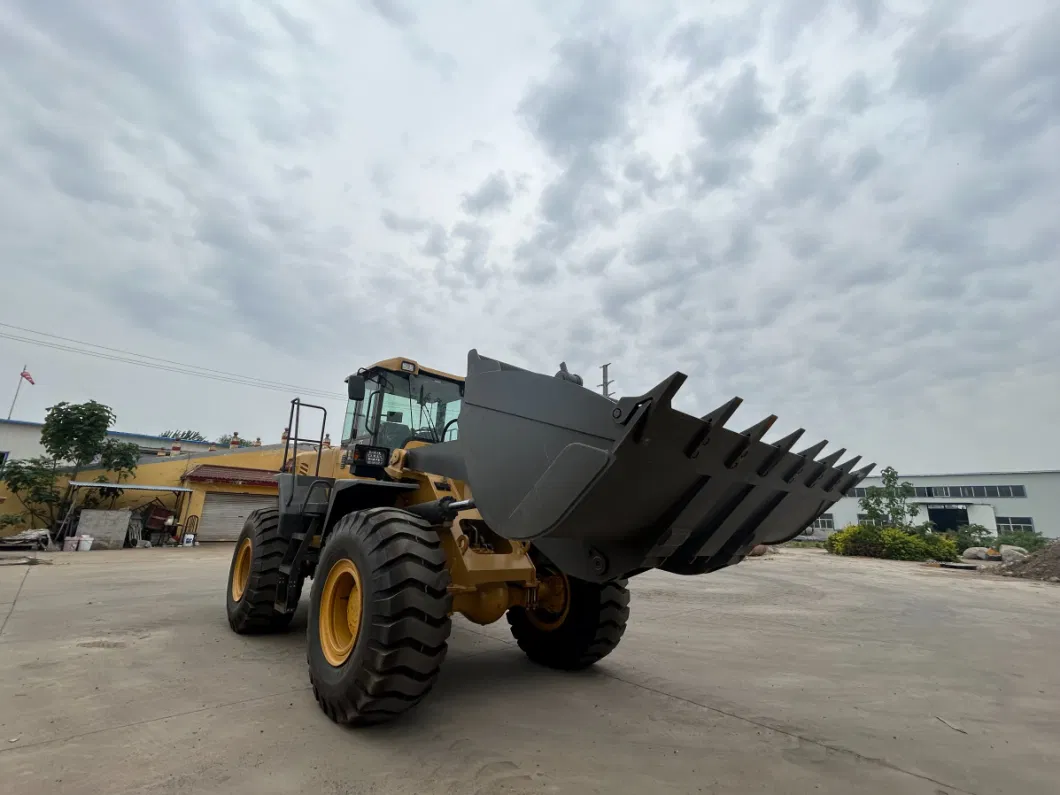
[(210, 492)]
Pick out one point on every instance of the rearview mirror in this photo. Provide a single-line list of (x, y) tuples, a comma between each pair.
[(355, 387)]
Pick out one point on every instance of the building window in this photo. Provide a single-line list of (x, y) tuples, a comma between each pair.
[(3, 458), (1015, 524), (864, 520), (824, 522), (957, 492)]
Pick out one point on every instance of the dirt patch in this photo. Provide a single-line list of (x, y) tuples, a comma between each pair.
[(1041, 565)]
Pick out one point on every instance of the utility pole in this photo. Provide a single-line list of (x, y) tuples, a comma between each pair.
[(17, 390), (605, 387)]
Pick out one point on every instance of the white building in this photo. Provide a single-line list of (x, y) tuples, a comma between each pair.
[(20, 440), (996, 500)]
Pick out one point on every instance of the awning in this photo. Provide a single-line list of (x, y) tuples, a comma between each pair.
[(82, 484)]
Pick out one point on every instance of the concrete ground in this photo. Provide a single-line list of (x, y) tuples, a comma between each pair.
[(795, 673)]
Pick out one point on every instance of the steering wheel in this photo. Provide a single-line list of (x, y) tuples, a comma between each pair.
[(446, 427)]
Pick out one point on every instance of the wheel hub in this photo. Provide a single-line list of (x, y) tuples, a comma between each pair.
[(241, 575), (341, 602)]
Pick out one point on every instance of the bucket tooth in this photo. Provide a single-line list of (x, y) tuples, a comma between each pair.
[(780, 447), (834, 475), (846, 466), (803, 460), (853, 478), (722, 413), (715, 419), (760, 429), (829, 460), (842, 478), (822, 466), (748, 438), (810, 453)]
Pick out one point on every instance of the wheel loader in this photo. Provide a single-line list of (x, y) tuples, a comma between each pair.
[(502, 494)]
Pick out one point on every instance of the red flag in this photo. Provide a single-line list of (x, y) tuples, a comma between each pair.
[(28, 377)]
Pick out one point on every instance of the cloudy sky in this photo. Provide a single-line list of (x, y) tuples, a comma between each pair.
[(843, 211)]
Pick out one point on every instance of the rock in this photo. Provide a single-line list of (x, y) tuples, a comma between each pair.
[(1054, 579), (1012, 555), (1012, 547), (975, 553), (759, 550)]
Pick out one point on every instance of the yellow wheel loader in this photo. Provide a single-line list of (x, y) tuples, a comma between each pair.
[(506, 493)]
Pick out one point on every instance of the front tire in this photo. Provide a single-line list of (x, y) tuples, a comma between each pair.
[(379, 616), (580, 632), (254, 574)]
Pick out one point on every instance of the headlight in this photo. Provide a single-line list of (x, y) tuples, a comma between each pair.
[(375, 458)]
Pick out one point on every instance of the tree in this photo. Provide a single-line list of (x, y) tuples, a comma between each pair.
[(226, 439), (33, 483), (184, 436), (74, 433), (889, 505)]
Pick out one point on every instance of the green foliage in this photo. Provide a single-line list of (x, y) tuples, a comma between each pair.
[(184, 436), (862, 540), (226, 439), (119, 458), (888, 505), (970, 535), (1028, 539), (33, 482), (10, 520), (75, 432), (891, 543)]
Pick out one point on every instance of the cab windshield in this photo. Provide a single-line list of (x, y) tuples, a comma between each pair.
[(400, 407)]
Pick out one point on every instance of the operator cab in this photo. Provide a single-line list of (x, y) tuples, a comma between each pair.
[(393, 403)]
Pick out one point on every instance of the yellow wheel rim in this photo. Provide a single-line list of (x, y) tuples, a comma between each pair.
[(241, 575), (550, 615), (341, 600)]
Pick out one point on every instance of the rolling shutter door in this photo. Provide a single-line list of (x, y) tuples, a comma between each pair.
[(223, 515)]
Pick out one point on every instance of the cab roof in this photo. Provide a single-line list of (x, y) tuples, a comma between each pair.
[(401, 365)]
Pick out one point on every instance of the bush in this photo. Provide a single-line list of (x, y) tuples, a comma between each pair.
[(1028, 539), (862, 540), (890, 543), (970, 535)]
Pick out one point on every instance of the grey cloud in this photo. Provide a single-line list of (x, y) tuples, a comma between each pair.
[(857, 94), (582, 102), (437, 242), (864, 163), (740, 115), (574, 113), (642, 170), (293, 174), (796, 99), (704, 45), (395, 12), (933, 62), (494, 194), (793, 17), (402, 223), (868, 13)]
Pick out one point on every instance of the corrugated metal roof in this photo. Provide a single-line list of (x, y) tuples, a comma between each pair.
[(223, 474), (132, 486)]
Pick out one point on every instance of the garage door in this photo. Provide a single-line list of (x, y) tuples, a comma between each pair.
[(223, 514)]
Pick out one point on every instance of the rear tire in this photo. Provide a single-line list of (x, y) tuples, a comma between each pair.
[(589, 628), (254, 573), (379, 616)]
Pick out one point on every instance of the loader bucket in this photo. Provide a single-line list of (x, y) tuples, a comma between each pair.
[(609, 489)]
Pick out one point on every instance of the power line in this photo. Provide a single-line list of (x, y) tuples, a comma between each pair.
[(157, 359), (166, 365)]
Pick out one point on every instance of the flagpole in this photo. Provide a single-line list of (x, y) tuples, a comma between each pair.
[(17, 388)]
